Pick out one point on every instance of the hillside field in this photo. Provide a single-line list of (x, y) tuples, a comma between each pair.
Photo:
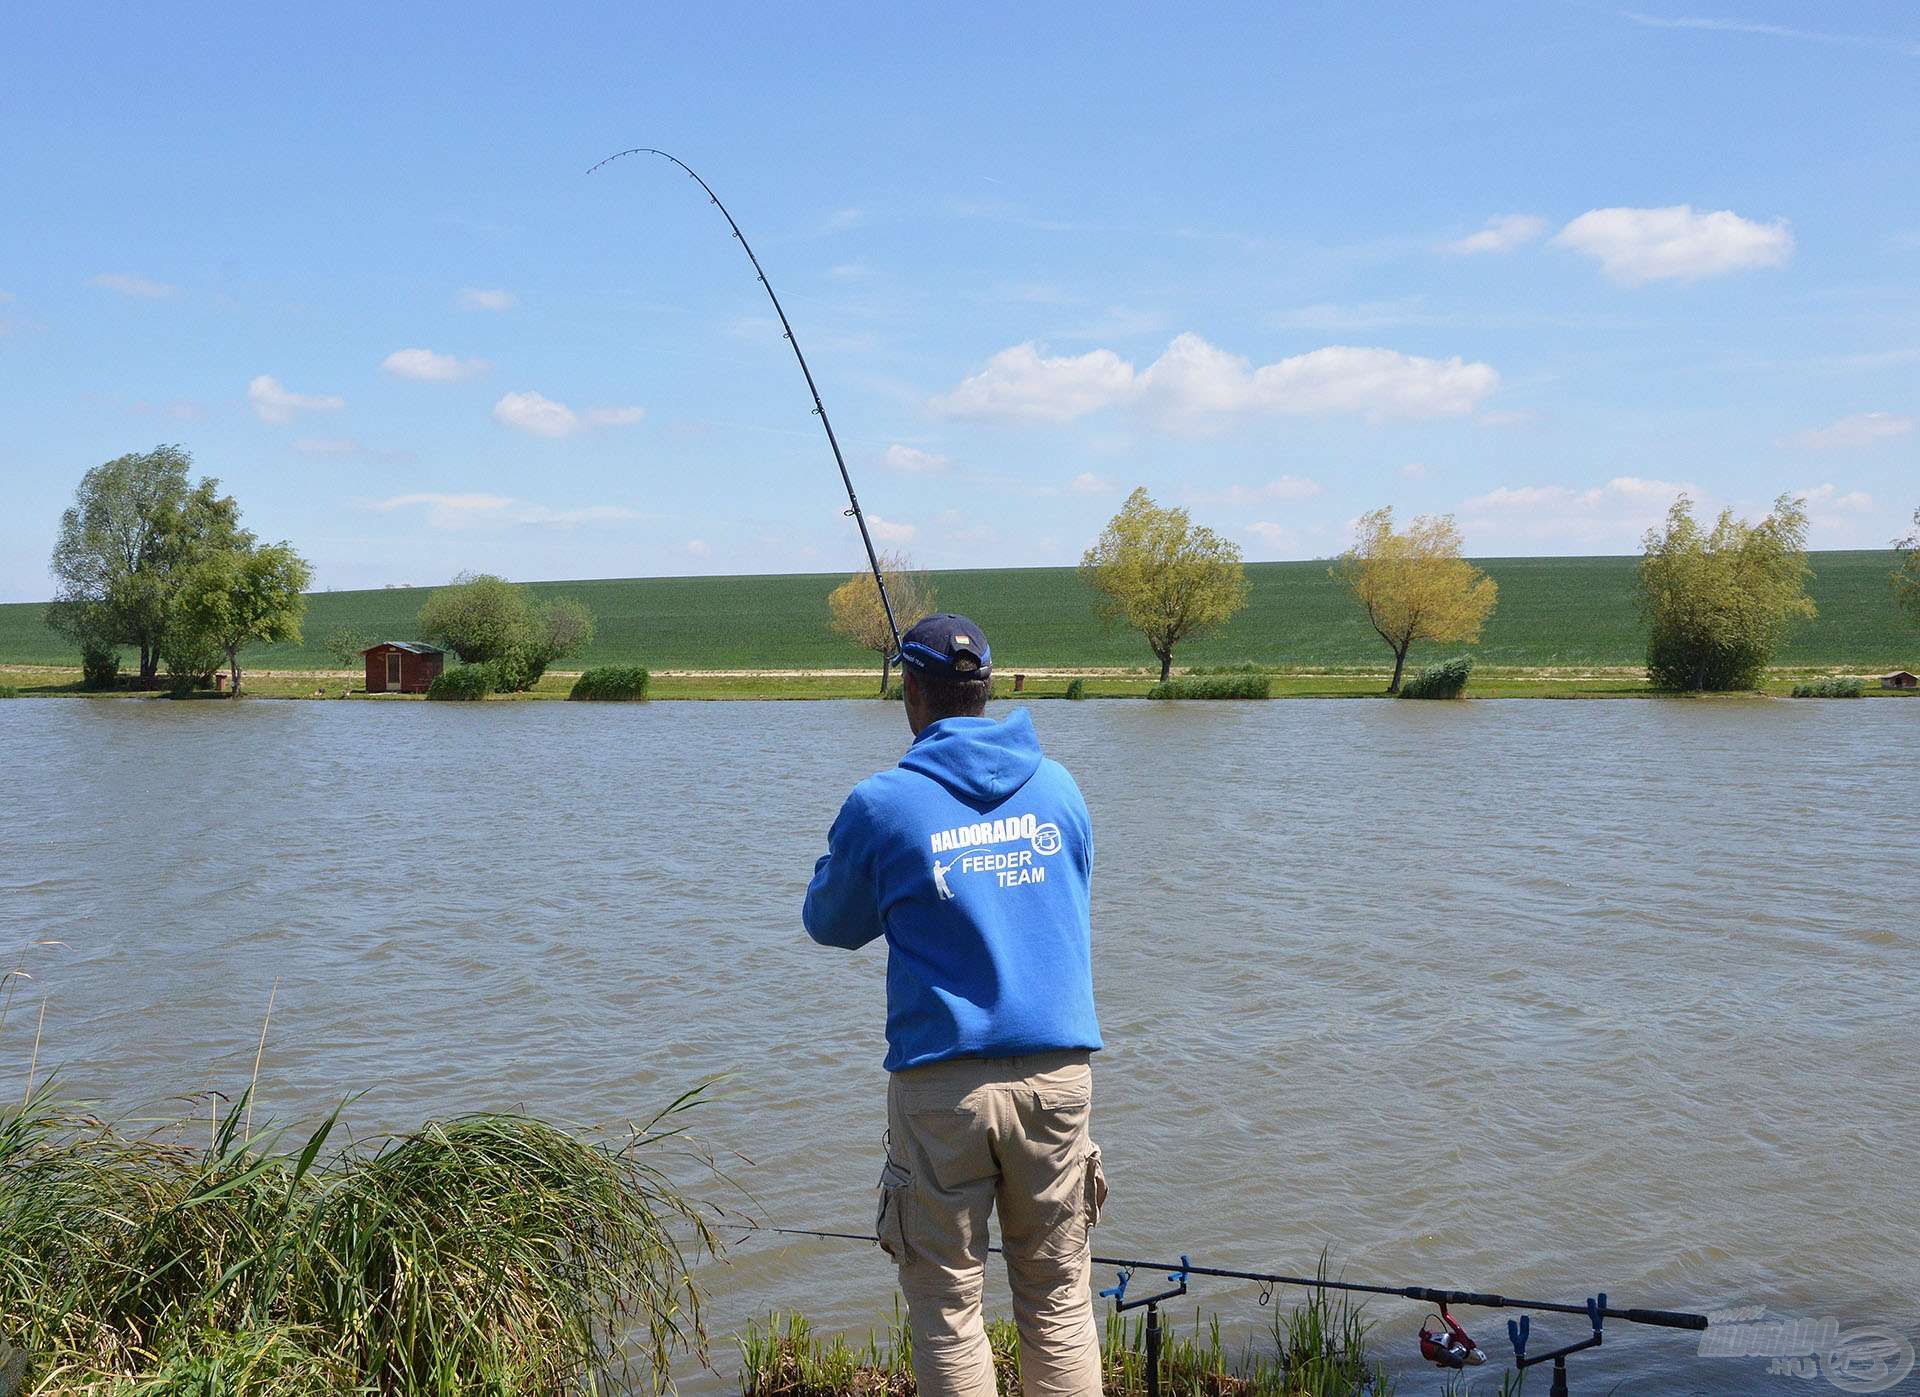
[(1553, 612)]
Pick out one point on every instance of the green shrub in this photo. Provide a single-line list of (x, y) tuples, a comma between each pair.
[(99, 667), (1443, 680), (1677, 659), (1248, 667), (1223, 686), (7, 691), (1833, 686), (1076, 688), (611, 683), (462, 684)]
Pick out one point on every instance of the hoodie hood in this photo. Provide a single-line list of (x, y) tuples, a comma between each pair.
[(983, 760)]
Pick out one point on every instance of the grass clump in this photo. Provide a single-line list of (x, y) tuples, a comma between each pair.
[(1076, 688), (1834, 686), (487, 1253), (1445, 679), (611, 684), (7, 691), (463, 684), (1319, 1349), (1248, 667), (1217, 686)]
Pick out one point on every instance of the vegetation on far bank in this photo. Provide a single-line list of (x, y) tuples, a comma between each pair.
[(1553, 612)]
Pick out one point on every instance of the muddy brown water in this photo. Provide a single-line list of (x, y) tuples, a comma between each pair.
[(1527, 996)]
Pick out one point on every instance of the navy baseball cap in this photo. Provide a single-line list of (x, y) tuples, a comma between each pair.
[(946, 646)]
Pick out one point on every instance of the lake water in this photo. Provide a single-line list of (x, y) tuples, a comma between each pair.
[(1525, 996)]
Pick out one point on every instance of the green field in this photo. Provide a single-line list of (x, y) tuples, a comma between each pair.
[(1553, 612)]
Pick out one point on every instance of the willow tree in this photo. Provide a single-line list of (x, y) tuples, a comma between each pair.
[(1718, 602), (1906, 577), (243, 595), (854, 609), (1165, 576), (1414, 585)]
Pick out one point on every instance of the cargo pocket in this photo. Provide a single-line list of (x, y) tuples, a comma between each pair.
[(890, 1220), (1094, 1189)]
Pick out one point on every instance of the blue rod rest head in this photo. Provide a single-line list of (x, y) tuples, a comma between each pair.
[(1517, 1331), (1596, 1304), (1180, 1277), (1118, 1291)]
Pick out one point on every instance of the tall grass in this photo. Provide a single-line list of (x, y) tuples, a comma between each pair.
[(1217, 686), (1318, 1349), (611, 684), (1445, 679), (485, 1253), (1834, 686)]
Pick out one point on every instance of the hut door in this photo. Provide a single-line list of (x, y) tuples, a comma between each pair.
[(393, 669)]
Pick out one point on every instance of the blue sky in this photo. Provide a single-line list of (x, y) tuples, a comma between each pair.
[(1537, 265)]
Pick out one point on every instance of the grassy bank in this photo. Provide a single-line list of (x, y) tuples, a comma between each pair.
[(50, 680), (1318, 1349), (1553, 613), (481, 1254)]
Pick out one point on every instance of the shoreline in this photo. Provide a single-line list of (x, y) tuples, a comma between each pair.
[(1583, 682)]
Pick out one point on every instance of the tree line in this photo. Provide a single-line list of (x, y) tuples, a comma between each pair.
[(1717, 601)]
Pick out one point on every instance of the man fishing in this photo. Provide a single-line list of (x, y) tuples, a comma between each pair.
[(973, 858)]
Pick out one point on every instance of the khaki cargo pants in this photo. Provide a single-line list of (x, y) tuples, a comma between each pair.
[(963, 1136)]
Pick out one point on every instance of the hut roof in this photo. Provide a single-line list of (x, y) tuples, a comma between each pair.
[(412, 647)]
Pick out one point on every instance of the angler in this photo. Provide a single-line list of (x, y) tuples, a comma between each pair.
[(990, 1021)]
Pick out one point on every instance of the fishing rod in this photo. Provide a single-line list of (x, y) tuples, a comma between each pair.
[(1447, 1344), (1473, 1299), (819, 407)]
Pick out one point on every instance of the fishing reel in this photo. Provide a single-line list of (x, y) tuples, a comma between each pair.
[(1448, 1344)]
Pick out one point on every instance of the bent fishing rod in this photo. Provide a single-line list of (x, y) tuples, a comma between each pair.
[(1473, 1299), (819, 407)]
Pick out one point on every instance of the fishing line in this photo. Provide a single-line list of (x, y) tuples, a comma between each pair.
[(819, 407)]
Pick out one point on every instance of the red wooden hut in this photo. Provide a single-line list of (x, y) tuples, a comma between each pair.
[(402, 666)]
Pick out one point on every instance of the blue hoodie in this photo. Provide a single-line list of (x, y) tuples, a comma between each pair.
[(973, 858)]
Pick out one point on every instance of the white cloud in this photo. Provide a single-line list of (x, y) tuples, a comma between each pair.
[(699, 548), (328, 446), (889, 531), (1829, 497), (1505, 417), (480, 298), (1195, 381), (1634, 246), (1022, 384), (1414, 470), (1612, 515), (6, 296), (449, 511), (850, 271), (429, 367), (1862, 429), (1904, 47), (1502, 234), (913, 460), (532, 412), (274, 402), (614, 416), (1087, 483), (137, 286), (1276, 535)]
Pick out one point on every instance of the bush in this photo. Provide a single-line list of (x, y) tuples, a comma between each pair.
[(611, 684), (7, 691), (1076, 688), (1222, 686), (1677, 659), (1248, 667), (1834, 686), (99, 667), (1443, 680), (462, 684)]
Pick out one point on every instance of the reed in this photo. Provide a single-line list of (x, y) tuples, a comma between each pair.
[(485, 1253)]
